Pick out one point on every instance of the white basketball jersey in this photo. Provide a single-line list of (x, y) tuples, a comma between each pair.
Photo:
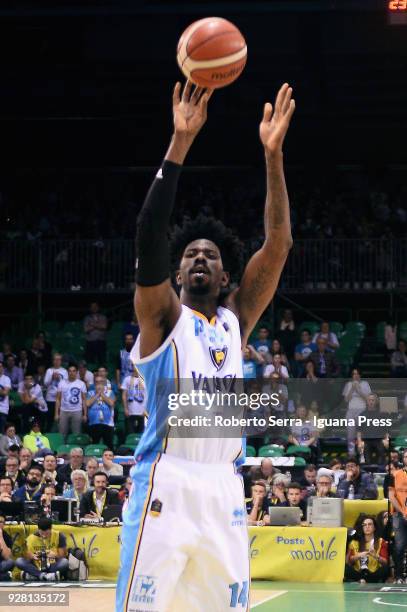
[(208, 353)]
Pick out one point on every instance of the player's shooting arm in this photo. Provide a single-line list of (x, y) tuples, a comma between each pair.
[(156, 303), (262, 273)]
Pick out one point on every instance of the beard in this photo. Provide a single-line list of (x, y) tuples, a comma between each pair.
[(33, 482)]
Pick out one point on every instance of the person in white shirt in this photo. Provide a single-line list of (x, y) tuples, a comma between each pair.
[(108, 467), (34, 404), (276, 366), (70, 405), (332, 341), (134, 399), (5, 386), (85, 375), (355, 392), (53, 377)]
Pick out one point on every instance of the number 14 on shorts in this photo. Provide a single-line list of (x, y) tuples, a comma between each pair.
[(238, 596)]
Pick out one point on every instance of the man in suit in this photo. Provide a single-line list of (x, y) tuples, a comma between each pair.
[(93, 502), (325, 363)]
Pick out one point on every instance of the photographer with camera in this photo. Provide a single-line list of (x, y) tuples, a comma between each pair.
[(45, 556)]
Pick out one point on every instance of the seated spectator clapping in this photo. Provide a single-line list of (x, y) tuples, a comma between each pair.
[(277, 367), (367, 558), (332, 342)]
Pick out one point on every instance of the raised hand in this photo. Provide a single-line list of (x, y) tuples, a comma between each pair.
[(190, 108), (274, 125)]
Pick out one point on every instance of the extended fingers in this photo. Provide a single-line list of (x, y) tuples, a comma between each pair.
[(176, 94), (280, 97), (186, 94), (196, 94), (286, 101), (203, 102), (268, 111)]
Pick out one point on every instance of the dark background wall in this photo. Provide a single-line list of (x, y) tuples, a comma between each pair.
[(89, 83)]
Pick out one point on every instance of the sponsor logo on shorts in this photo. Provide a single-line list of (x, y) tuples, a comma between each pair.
[(239, 516), (156, 507), (143, 590)]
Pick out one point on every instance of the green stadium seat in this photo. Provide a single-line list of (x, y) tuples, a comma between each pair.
[(250, 451), (297, 450), (81, 439), (132, 439), (380, 327), (65, 449), (402, 330), (55, 439), (400, 441), (313, 327), (356, 327), (51, 327), (299, 462), (95, 450), (336, 327), (271, 450)]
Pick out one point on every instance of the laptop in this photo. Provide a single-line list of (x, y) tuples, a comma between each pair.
[(285, 515), (113, 512)]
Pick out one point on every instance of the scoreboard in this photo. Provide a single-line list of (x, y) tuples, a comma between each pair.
[(397, 11)]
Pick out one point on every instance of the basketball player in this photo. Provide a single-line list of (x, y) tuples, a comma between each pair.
[(184, 548)]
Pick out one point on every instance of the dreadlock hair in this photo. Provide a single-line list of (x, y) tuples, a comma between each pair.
[(230, 247)]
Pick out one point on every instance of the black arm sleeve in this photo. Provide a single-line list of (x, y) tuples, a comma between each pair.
[(153, 253)]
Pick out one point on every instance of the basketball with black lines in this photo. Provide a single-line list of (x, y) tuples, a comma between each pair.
[(212, 52)]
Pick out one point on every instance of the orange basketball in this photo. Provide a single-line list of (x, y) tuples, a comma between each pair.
[(212, 52)]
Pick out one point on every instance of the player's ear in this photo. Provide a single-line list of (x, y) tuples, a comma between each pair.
[(178, 277), (225, 279)]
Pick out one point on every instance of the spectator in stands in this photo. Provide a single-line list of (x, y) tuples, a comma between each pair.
[(92, 466), (325, 363), (85, 375), (367, 558), (303, 350), (257, 505), (294, 494), (54, 543), (372, 440), (33, 487), (355, 392), (308, 481), (276, 366), (50, 469), (9, 438), (7, 350), (277, 387), (5, 387), (14, 373), (34, 404), (398, 500), (109, 384), (26, 459), (24, 363), (6, 561), (125, 490), (75, 463), (95, 326), (265, 471), (70, 405), (390, 469), (384, 525), (305, 434), (332, 342), (402, 416), (278, 349), (35, 441), (364, 486), (6, 488), (36, 354), (80, 485), (390, 336), (124, 365), (134, 398), (95, 501), (100, 406), (132, 327), (53, 377), (399, 361), (262, 344), (47, 496), (287, 321), (324, 484), (108, 466), (336, 467), (395, 457), (252, 359), (13, 471), (279, 485), (45, 347)]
